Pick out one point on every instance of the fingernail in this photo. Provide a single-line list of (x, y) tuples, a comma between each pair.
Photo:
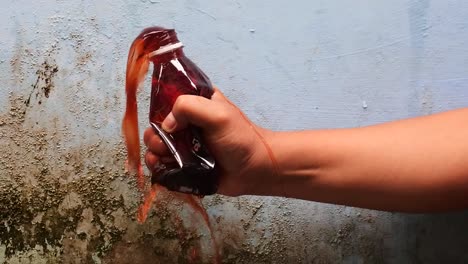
[(169, 123)]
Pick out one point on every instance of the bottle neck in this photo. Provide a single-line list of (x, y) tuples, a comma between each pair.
[(166, 52), (167, 56)]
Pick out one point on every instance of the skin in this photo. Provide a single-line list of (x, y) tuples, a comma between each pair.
[(416, 165)]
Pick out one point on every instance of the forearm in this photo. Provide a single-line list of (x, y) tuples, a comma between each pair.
[(415, 165)]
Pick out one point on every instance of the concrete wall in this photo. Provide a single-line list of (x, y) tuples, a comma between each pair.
[(64, 195)]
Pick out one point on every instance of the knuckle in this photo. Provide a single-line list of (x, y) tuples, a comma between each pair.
[(148, 135), (222, 116), (181, 103), (148, 159), (156, 146)]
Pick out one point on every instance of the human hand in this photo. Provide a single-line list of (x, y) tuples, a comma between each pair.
[(237, 144)]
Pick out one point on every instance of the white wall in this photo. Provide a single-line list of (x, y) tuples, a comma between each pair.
[(289, 65)]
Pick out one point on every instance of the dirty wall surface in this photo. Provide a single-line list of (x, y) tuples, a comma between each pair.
[(64, 194)]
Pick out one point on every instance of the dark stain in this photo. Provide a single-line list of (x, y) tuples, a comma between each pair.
[(36, 186), (83, 59), (44, 82), (26, 159)]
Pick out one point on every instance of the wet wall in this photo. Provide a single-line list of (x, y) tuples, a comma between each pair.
[(64, 193)]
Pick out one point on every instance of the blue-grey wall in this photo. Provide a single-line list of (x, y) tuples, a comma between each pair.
[(65, 197)]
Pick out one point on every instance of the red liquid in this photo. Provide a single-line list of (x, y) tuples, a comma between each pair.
[(174, 75), (137, 66)]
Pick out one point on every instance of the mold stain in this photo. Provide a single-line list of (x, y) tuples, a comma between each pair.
[(31, 196), (55, 201), (44, 82)]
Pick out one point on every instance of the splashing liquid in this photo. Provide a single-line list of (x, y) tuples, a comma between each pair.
[(174, 75)]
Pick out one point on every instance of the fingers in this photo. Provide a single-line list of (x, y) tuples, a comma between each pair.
[(218, 96), (149, 133), (154, 143), (157, 150), (152, 160), (200, 111)]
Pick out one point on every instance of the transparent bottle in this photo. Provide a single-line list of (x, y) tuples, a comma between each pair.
[(193, 169)]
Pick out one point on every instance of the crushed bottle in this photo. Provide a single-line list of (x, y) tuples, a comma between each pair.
[(193, 170)]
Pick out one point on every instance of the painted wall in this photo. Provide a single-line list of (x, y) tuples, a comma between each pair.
[(64, 195)]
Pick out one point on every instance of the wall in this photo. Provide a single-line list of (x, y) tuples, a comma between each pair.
[(65, 197)]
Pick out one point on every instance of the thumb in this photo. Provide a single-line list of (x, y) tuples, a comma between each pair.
[(197, 110)]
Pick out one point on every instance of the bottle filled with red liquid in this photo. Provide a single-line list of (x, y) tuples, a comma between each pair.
[(193, 170)]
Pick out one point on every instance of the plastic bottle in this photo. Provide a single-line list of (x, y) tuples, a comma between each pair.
[(193, 169)]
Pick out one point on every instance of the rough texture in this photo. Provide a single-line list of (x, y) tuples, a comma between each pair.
[(64, 194)]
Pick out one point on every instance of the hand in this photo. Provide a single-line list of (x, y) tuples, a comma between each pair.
[(236, 143)]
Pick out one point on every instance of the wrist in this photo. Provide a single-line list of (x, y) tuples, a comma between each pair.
[(297, 164), (273, 185), (263, 175)]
